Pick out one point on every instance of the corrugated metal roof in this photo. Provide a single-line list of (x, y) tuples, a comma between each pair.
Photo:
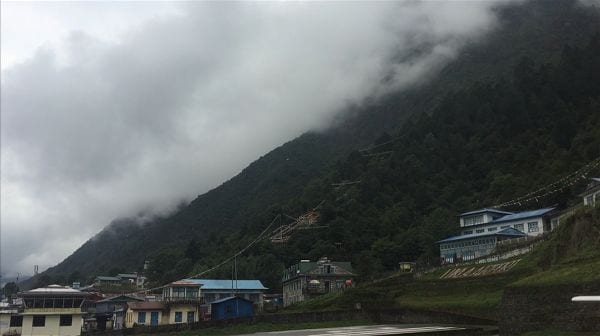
[(107, 278), (229, 298), (485, 210), (127, 275), (54, 290), (227, 284), (508, 232), (522, 215), (121, 298)]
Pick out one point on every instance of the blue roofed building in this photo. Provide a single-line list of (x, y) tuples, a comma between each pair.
[(217, 289), (482, 229)]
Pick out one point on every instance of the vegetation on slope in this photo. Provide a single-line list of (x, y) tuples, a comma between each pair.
[(467, 145), (570, 257)]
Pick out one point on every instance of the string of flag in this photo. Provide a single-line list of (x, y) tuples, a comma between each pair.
[(557, 186)]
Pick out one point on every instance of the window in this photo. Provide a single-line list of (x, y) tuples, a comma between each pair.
[(504, 226), (190, 317), (520, 227), (492, 229), (191, 293), (141, 317), (480, 230), (39, 320), (468, 232), (533, 227), (16, 321), (178, 317), (473, 220), (178, 292), (66, 320)]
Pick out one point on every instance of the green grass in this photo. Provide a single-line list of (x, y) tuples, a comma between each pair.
[(267, 327)]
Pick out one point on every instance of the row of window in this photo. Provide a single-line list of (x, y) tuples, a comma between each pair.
[(40, 321), (43, 302), (482, 241), (531, 227)]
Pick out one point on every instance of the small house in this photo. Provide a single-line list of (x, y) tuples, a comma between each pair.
[(146, 313), (231, 307), (591, 195)]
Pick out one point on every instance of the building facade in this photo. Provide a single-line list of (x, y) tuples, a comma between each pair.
[(231, 307), (307, 279), (183, 299), (52, 311), (149, 313), (217, 289), (481, 230), (591, 195)]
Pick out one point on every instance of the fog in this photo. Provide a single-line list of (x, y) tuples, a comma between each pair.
[(141, 107)]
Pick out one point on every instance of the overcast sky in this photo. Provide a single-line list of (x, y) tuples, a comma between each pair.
[(109, 109)]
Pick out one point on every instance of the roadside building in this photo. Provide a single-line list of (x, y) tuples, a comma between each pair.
[(183, 300), (231, 307), (146, 313), (481, 230), (54, 310), (108, 313), (11, 322), (216, 289), (307, 279), (591, 195)]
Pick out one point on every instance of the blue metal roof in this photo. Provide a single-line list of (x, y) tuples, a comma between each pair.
[(508, 232), (227, 284), (229, 298), (485, 210), (522, 215)]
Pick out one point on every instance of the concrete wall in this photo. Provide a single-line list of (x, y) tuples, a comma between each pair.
[(184, 309), (5, 325), (535, 308), (52, 326)]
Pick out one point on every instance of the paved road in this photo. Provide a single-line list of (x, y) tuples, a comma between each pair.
[(376, 330)]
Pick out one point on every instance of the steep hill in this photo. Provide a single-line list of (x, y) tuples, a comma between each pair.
[(491, 119)]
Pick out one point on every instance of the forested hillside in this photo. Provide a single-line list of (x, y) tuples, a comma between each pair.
[(513, 112)]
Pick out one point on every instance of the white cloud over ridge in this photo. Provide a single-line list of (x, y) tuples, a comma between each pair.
[(99, 128)]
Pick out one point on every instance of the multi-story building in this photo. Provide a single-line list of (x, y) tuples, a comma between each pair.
[(54, 310), (183, 300), (482, 229), (216, 289), (307, 279)]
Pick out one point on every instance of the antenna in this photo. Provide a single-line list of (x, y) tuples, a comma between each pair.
[(36, 269)]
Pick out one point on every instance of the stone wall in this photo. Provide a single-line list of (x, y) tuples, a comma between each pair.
[(540, 308)]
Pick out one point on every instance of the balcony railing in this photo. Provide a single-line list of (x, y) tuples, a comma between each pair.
[(181, 299)]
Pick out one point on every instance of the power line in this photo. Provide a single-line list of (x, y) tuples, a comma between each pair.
[(558, 185), (258, 238)]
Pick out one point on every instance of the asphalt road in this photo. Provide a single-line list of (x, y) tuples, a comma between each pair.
[(373, 330)]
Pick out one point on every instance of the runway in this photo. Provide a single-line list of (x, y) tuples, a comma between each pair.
[(373, 330)]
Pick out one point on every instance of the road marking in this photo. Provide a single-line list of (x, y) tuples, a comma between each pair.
[(382, 331)]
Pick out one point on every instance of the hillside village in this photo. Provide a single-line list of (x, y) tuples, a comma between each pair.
[(486, 236)]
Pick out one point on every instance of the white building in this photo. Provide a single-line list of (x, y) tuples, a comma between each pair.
[(591, 195), (482, 229), (52, 311)]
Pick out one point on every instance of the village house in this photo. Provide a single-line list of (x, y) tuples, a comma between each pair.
[(307, 279), (483, 229), (54, 310), (216, 289), (109, 312), (591, 195), (183, 299), (131, 279), (11, 321), (150, 313)]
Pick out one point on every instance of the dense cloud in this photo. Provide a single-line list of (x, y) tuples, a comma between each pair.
[(100, 129)]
